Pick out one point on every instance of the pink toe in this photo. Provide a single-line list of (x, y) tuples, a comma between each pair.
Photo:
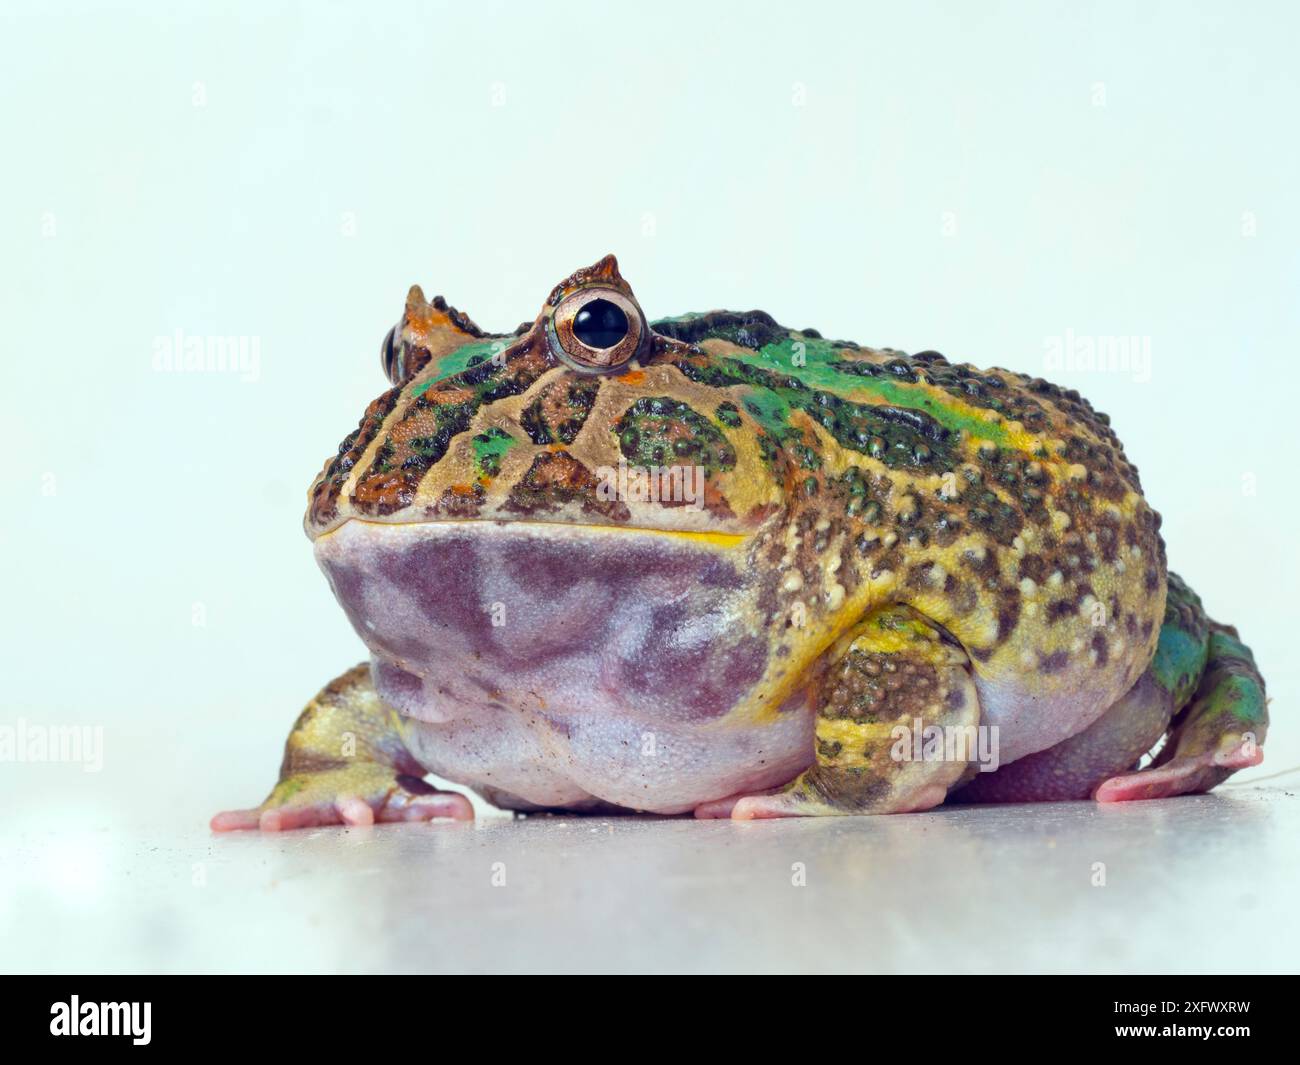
[(457, 807), (354, 811), (726, 808), (1147, 784), (271, 821), (233, 820), (1242, 756), (427, 807), (760, 807), (922, 799), (716, 809)]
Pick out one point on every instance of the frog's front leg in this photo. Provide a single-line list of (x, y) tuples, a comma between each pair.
[(896, 726), (345, 763)]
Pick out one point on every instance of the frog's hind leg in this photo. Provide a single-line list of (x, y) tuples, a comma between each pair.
[(1201, 688), (1219, 731), (896, 728), (345, 763), (1073, 768)]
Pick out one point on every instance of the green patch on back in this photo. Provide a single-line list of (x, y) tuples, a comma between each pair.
[(461, 359), (820, 364), (769, 409), (489, 447), (784, 377)]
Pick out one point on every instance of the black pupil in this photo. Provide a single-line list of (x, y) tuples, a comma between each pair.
[(388, 355), (600, 324)]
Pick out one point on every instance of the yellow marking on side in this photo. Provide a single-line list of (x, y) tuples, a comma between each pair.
[(722, 541), (712, 539), (763, 705), (852, 733)]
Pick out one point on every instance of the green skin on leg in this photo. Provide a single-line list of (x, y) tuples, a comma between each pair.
[(1184, 644), (1221, 715)]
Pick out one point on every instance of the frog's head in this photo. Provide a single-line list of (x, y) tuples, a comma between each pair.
[(585, 416), (584, 486)]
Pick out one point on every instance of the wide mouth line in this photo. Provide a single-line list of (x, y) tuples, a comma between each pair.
[(710, 539)]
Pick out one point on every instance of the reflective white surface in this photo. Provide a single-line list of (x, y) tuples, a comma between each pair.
[(1196, 884)]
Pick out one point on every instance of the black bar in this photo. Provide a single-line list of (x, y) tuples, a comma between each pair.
[(327, 1013)]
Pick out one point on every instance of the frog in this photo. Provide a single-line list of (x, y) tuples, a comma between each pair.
[(711, 565)]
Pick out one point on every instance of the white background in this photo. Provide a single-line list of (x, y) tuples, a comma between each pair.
[(974, 178)]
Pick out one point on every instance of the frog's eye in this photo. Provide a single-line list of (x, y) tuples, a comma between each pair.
[(597, 330), (600, 324), (390, 357)]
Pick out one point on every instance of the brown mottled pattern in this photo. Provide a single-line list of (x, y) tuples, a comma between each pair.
[(870, 687), (424, 430), (556, 478), (560, 410), (323, 498), (902, 524), (458, 501)]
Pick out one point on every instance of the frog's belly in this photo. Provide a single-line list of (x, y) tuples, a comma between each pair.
[(565, 665), (525, 761)]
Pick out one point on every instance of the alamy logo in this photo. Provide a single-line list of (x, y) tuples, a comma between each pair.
[(1083, 353), (187, 353), (919, 742), (102, 1018), (669, 485), (28, 741)]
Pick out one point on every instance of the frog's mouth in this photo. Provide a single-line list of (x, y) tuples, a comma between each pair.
[(466, 615)]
